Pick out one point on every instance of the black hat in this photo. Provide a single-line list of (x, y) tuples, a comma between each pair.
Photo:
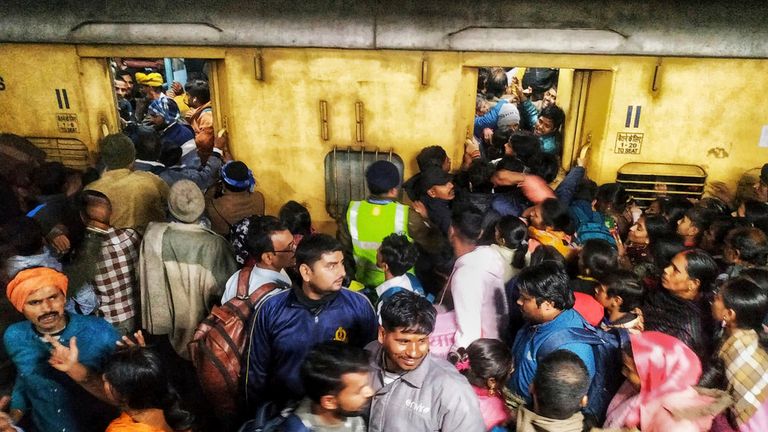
[(382, 176), (432, 176)]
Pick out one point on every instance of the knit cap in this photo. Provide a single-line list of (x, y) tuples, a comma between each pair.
[(185, 201), (508, 116)]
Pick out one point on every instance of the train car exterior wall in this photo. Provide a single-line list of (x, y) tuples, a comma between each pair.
[(703, 111)]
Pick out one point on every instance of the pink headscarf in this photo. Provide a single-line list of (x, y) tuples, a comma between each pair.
[(665, 366)]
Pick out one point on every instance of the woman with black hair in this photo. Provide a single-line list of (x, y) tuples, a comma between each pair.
[(612, 200), (136, 381), (511, 242), (550, 225), (680, 307), (740, 307), (744, 248)]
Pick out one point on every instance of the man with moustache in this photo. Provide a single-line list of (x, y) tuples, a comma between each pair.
[(413, 390), (55, 400), (288, 323)]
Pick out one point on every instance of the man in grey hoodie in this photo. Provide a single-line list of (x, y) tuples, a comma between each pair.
[(415, 391)]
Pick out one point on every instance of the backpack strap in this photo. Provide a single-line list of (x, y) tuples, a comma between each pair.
[(567, 336), (242, 281), (35, 210)]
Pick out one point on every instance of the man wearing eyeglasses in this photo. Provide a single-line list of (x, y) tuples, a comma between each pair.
[(270, 245)]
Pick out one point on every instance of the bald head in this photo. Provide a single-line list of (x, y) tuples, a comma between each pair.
[(97, 209)]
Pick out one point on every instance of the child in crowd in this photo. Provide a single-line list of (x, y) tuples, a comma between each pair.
[(693, 224), (136, 381), (596, 260), (621, 294), (487, 364), (395, 257)]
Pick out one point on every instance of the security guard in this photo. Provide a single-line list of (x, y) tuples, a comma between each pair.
[(368, 222)]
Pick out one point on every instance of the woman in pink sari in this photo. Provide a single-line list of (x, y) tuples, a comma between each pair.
[(658, 395)]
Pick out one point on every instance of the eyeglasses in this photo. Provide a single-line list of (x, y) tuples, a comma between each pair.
[(291, 249)]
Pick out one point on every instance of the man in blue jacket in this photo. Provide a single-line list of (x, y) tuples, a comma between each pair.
[(546, 302), (288, 323)]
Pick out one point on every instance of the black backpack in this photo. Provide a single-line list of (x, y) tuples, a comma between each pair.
[(606, 348)]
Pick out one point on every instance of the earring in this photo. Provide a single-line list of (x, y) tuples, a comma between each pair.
[(723, 323)]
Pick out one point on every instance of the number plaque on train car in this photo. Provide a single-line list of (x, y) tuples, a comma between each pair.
[(628, 143), (67, 122)]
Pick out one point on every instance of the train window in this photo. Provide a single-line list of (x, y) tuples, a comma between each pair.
[(345, 175), (184, 81), (530, 91)]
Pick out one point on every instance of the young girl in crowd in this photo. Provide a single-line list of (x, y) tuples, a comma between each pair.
[(512, 244), (740, 307), (693, 224), (744, 248), (487, 364), (621, 294), (658, 395), (135, 381), (596, 260)]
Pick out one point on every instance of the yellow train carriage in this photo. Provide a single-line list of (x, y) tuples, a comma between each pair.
[(287, 110)]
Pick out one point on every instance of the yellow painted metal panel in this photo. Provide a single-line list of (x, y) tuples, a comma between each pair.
[(706, 112)]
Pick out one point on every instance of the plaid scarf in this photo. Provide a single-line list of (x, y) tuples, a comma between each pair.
[(746, 367)]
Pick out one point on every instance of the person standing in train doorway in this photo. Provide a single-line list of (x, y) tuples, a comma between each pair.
[(200, 117), (367, 222)]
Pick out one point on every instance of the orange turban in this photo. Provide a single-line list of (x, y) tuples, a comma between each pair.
[(28, 281)]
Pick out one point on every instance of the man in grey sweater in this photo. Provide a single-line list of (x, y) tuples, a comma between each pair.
[(415, 391)]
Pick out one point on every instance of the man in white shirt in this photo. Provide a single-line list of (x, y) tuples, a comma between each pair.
[(271, 246)]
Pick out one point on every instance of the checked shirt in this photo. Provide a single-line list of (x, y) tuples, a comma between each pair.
[(115, 281)]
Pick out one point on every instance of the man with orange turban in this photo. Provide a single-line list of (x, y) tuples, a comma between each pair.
[(52, 391)]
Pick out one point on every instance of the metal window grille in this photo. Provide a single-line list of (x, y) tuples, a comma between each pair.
[(647, 181), (71, 152), (345, 175)]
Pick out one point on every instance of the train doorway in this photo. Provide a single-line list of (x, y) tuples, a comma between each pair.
[(192, 88), (581, 96)]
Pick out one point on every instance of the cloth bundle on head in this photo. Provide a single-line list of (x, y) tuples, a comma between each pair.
[(237, 175), (30, 280), (508, 117), (153, 79), (185, 201), (165, 108), (382, 176), (117, 151)]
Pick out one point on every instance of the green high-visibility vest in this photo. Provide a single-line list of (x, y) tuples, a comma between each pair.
[(368, 225)]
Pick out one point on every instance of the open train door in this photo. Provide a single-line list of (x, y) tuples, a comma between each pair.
[(97, 73), (589, 108)]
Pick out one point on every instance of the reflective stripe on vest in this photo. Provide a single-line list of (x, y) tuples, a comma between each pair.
[(368, 225)]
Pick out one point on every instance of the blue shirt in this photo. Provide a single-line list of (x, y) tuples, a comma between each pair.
[(55, 402), (528, 341), (283, 332)]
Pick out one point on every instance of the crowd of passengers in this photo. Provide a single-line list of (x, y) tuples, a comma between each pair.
[(507, 295)]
